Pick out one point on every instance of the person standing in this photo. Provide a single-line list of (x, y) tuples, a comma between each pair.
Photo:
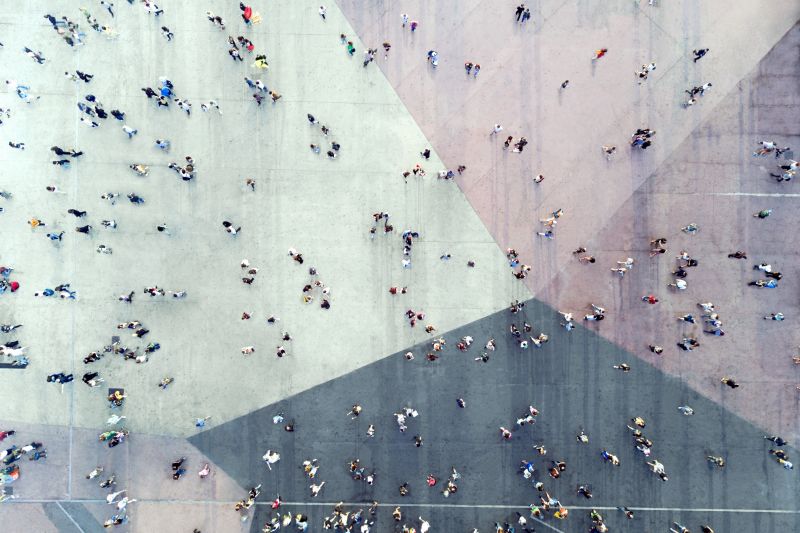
[(108, 6)]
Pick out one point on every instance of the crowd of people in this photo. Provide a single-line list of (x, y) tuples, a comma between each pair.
[(92, 113)]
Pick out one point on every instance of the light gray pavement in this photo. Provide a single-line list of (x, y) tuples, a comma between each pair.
[(321, 207)]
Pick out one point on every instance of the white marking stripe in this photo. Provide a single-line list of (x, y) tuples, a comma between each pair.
[(756, 194), (70, 517), (432, 505)]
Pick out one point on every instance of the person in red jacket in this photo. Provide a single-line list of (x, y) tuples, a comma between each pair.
[(247, 13)]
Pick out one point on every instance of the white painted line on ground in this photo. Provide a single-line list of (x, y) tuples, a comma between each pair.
[(755, 194), (70, 517), (540, 521), (432, 505), (526, 506)]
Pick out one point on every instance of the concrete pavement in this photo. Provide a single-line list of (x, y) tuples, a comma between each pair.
[(323, 208), (615, 207), (570, 380)]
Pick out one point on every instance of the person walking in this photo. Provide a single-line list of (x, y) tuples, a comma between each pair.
[(700, 53)]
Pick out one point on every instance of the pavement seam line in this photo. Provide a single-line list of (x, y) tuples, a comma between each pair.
[(69, 516)]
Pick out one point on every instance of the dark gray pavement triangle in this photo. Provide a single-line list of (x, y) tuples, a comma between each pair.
[(83, 517), (572, 383), (66, 515), (59, 519)]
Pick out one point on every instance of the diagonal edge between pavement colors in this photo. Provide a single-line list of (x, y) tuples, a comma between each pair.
[(570, 380), (711, 180), (523, 96), (379, 139)]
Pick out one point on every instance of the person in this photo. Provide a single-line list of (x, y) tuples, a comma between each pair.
[(609, 457), (778, 441), (60, 378), (92, 379), (628, 512), (679, 284), (316, 488), (730, 382), (700, 53), (424, 525), (764, 284), (355, 411), (658, 469), (229, 228), (271, 457), (678, 528), (177, 463), (433, 56)]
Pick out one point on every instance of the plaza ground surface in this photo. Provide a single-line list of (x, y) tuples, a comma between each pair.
[(699, 170)]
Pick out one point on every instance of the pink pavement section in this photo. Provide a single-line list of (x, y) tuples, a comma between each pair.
[(615, 207), (142, 466)]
